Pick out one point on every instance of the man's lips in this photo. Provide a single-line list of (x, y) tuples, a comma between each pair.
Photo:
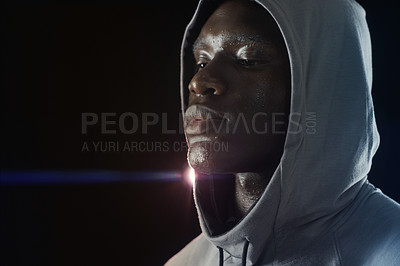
[(203, 126), (200, 119)]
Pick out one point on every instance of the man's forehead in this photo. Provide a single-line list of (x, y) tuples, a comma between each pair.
[(225, 37)]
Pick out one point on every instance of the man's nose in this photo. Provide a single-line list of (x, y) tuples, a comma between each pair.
[(210, 80)]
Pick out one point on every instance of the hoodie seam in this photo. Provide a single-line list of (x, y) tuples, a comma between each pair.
[(230, 256), (337, 248)]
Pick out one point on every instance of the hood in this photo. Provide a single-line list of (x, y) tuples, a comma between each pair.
[(332, 136)]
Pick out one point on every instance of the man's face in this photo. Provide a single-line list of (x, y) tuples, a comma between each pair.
[(240, 96)]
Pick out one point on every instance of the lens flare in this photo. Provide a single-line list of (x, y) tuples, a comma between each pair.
[(190, 175)]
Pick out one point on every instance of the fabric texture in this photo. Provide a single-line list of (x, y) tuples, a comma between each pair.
[(319, 208)]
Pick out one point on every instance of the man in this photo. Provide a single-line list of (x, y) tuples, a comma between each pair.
[(251, 69)]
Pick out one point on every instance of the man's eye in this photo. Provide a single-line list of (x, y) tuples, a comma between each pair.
[(201, 65), (247, 62)]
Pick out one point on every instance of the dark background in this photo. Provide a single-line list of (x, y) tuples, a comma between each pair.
[(62, 59)]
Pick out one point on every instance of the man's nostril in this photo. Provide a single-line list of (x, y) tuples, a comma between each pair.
[(210, 91)]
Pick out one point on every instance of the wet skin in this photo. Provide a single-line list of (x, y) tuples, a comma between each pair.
[(241, 86)]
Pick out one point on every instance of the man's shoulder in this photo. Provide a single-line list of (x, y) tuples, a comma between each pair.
[(378, 212), (193, 253), (383, 212), (373, 231)]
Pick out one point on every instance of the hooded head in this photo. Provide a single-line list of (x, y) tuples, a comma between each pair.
[(331, 134), (239, 95)]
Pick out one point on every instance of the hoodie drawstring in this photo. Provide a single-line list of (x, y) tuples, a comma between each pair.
[(244, 254), (221, 256)]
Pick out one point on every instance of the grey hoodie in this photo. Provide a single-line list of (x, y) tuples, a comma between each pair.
[(319, 208)]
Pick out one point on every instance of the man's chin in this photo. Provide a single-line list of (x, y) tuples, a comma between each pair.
[(199, 157)]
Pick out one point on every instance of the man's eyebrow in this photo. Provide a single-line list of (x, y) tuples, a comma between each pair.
[(235, 38)]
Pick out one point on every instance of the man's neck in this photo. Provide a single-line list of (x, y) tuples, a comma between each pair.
[(248, 189)]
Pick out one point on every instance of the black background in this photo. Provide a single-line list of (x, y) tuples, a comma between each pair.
[(62, 59)]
